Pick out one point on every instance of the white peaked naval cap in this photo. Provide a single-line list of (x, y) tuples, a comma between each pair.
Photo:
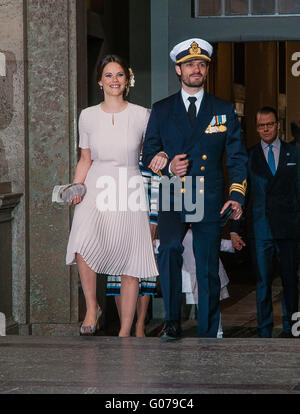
[(191, 49)]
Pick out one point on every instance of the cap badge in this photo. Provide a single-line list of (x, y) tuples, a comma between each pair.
[(195, 49)]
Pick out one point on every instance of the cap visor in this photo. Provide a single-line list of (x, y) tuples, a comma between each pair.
[(193, 57)]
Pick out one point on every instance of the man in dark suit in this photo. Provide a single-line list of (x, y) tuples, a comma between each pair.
[(273, 219), (193, 129)]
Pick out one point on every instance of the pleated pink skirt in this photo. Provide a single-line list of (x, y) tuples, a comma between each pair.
[(111, 242)]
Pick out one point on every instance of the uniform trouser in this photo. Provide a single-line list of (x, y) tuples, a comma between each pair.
[(262, 255), (206, 245)]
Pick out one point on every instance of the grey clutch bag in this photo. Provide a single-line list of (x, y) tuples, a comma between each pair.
[(66, 193)]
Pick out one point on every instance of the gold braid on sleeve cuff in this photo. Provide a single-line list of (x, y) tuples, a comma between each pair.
[(240, 188)]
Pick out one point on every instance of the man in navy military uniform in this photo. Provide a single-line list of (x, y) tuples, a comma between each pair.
[(273, 219), (193, 129)]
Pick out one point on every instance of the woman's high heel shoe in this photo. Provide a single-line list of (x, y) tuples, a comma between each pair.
[(89, 330)]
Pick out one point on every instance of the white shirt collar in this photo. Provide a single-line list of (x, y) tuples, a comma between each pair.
[(198, 95), (276, 144)]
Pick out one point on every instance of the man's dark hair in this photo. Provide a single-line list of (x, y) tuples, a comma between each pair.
[(265, 110)]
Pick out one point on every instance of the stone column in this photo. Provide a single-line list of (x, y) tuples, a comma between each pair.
[(13, 144), (8, 202), (38, 141), (52, 134)]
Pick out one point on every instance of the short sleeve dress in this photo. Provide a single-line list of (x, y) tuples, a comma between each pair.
[(110, 228)]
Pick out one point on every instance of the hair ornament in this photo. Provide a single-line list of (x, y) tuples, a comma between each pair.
[(131, 78)]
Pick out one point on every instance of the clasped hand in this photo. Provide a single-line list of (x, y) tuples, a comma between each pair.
[(178, 165), (158, 162), (237, 242)]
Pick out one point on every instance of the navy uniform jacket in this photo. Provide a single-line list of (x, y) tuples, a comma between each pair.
[(273, 202), (217, 130)]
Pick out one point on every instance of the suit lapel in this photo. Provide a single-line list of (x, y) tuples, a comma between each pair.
[(282, 157), (204, 118), (281, 162), (180, 118), (260, 163)]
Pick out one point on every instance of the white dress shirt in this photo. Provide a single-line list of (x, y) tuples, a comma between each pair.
[(276, 150), (198, 96)]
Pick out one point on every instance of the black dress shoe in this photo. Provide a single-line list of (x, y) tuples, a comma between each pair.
[(170, 332)]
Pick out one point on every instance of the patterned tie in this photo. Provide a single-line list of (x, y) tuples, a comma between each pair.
[(192, 109), (271, 160)]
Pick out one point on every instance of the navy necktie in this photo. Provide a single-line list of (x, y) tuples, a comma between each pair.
[(192, 109), (271, 159)]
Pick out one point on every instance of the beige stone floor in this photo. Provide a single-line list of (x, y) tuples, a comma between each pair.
[(111, 365)]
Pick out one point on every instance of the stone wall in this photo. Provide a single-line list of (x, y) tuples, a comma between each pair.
[(13, 138), (38, 136)]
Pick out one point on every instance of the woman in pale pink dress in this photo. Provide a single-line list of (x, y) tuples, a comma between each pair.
[(109, 234)]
